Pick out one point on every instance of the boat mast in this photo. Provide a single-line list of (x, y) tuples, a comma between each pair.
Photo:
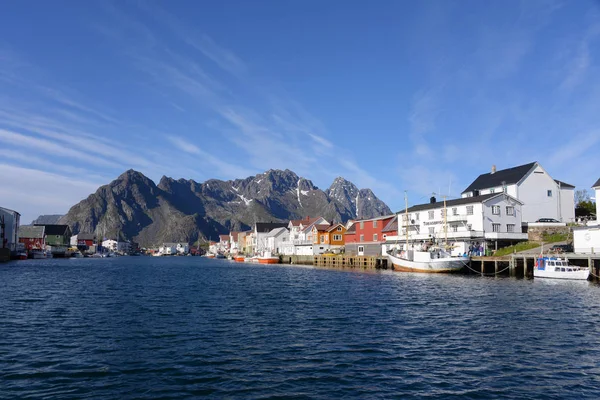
[(445, 225), (406, 217)]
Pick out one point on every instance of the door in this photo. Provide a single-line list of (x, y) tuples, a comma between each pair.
[(361, 250)]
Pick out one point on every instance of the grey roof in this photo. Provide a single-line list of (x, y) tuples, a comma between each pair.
[(352, 229), (564, 185), (391, 226), (31, 232), (504, 176), (266, 227), (455, 202), (596, 184), (277, 231)]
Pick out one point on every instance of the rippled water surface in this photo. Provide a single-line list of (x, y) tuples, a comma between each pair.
[(185, 327)]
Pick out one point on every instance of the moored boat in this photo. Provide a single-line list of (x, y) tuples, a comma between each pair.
[(557, 268), (268, 258), (38, 254), (432, 260), (239, 258), (22, 255)]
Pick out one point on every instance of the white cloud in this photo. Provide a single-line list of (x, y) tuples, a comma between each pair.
[(32, 192), (52, 148)]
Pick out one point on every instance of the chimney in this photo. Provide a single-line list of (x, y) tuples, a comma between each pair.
[(493, 169), (308, 217), (432, 200)]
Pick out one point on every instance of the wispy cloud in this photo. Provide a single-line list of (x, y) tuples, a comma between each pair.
[(53, 201)]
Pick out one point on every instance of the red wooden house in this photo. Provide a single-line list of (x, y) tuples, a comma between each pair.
[(365, 237), (32, 237)]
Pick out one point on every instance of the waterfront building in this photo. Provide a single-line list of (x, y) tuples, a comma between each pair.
[(586, 239), (233, 242), (85, 240), (223, 245), (365, 236), (32, 237), (275, 238), (171, 249), (493, 219), (541, 195), (9, 229), (301, 241), (260, 233), (58, 238)]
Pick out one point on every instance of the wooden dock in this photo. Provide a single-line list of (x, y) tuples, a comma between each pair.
[(514, 265)]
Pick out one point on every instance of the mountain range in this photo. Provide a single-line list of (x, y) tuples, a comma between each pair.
[(133, 207)]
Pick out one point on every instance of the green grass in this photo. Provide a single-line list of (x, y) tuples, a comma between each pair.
[(557, 237), (516, 248)]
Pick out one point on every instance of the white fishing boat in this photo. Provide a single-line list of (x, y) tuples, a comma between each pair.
[(420, 259), (557, 268), (38, 254)]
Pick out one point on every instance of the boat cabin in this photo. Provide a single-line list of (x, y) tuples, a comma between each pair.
[(553, 264)]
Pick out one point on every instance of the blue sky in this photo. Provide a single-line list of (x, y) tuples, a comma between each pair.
[(392, 95)]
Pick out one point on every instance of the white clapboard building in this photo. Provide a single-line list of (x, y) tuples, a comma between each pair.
[(541, 195), (491, 220)]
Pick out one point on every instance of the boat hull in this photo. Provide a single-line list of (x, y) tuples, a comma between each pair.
[(268, 260), (581, 275), (240, 259), (441, 265)]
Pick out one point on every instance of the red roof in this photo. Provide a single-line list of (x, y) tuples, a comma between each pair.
[(224, 238), (322, 227), (305, 221)]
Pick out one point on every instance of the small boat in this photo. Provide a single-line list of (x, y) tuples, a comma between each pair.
[(22, 255), (209, 255), (239, 258), (557, 268), (268, 258), (38, 254), (219, 255)]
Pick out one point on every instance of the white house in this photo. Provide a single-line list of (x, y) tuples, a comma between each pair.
[(541, 195), (261, 232), (171, 249), (484, 220), (275, 238), (586, 239), (233, 242), (300, 241), (9, 229), (110, 244)]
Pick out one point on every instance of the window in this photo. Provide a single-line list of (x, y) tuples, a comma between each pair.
[(385, 236), (362, 225), (374, 237), (469, 227), (510, 227), (492, 190), (549, 193), (443, 212), (454, 228), (431, 230), (361, 249), (339, 229), (455, 211), (495, 227), (496, 210), (374, 224), (510, 210), (504, 189), (337, 237), (430, 214), (362, 238), (469, 210), (417, 216), (322, 238)]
